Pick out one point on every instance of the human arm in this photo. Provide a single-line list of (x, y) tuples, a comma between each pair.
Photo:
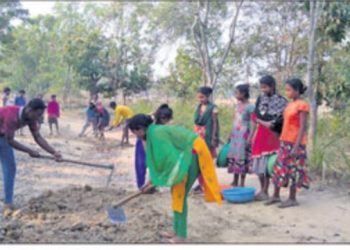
[(252, 131), (252, 124), (44, 144), (301, 132), (58, 110), (215, 140), (118, 119), (264, 123), (19, 146)]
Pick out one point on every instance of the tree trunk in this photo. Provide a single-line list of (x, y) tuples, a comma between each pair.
[(66, 88), (314, 13), (218, 69), (124, 98), (200, 36)]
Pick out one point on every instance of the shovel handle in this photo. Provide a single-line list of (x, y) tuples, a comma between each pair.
[(131, 197), (79, 162)]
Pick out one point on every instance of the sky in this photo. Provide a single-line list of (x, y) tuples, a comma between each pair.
[(165, 56), (38, 7)]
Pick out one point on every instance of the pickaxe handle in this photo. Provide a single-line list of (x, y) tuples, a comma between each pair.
[(110, 166)]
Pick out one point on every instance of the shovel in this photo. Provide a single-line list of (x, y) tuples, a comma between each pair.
[(109, 166), (116, 213)]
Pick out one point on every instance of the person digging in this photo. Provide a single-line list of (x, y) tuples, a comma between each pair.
[(13, 118)]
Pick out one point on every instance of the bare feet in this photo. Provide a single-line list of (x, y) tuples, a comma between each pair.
[(289, 203), (272, 201), (151, 191), (261, 197), (168, 235), (9, 209), (233, 184), (173, 240), (197, 190)]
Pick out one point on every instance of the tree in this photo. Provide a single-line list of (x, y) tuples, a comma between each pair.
[(201, 35), (9, 12), (91, 61), (32, 61), (198, 25), (134, 82), (315, 7), (185, 75), (131, 47), (331, 53)]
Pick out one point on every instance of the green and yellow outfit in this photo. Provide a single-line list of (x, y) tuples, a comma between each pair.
[(175, 158)]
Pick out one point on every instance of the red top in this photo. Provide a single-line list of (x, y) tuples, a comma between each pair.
[(265, 142), (53, 109), (291, 125), (10, 121)]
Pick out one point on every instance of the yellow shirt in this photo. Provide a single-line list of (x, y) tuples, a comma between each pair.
[(121, 113)]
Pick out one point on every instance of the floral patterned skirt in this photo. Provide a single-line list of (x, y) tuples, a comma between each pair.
[(291, 169), (243, 166)]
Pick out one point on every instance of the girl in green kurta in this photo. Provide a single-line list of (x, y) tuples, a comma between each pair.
[(206, 124), (175, 157)]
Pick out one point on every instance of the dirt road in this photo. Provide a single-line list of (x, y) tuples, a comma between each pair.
[(67, 203)]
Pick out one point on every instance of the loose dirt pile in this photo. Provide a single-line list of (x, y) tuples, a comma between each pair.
[(78, 215)]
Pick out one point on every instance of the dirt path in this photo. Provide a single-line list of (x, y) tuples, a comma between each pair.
[(55, 206)]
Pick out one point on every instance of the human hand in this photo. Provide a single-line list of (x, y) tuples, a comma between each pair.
[(34, 154), (58, 156)]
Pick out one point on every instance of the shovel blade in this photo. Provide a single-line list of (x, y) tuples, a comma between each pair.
[(116, 215)]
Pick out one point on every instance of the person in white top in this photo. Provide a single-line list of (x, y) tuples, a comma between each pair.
[(6, 101)]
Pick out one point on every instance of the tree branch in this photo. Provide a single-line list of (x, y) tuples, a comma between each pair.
[(229, 44), (204, 43), (196, 37)]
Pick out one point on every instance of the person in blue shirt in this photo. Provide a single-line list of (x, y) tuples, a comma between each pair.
[(91, 119), (21, 101)]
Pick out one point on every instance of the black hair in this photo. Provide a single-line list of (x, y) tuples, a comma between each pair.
[(268, 80), (53, 96), (92, 105), (244, 89), (140, 121), (36, 104), (297, 85), (112, 104), (207, 91), (22, 91), (163, 112), (7, 89)]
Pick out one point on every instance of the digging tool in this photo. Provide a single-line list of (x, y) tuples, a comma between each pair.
[(116, 213), (103, 166)]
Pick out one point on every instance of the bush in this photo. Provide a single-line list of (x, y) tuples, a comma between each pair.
[(332, 147)]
